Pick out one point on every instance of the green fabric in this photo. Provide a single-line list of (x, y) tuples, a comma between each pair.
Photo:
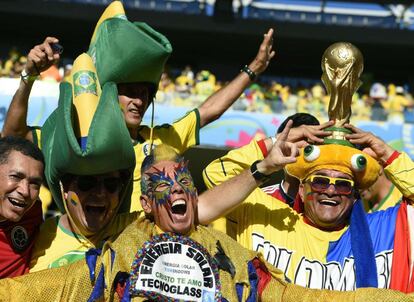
[(126, 52), (108, 148)]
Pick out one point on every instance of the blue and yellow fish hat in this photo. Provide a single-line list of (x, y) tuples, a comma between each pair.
[(126, 52), (360, 166), (86, 134)]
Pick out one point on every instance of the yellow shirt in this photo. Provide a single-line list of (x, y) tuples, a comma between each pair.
[(307, 255), (181, 135), (55, 246), (393, 198)]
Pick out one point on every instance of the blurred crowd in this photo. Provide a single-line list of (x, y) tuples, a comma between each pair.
[(382, 103), (389, 103), (12, 67)]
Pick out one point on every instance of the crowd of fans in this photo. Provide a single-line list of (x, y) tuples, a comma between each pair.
[(189, 89)]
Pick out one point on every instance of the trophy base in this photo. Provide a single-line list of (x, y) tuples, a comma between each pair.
[(338, 136)]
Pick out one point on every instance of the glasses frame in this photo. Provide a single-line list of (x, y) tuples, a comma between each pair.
[(97, 182), (332, 181)]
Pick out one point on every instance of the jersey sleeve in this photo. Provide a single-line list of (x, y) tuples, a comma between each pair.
[(401, 173), (232, 164), (183, 133)]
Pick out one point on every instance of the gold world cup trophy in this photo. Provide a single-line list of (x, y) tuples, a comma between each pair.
[(342, 65)]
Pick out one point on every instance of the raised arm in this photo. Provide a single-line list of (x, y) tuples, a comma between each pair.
[(398, 167), (221, 199), (40, 58), (220, 101)]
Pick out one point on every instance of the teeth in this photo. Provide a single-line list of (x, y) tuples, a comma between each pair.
[(178, 202), (328, 201), (16, 202)]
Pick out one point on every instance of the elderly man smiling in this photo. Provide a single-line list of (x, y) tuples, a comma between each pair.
[(332, 245), (167, 256)]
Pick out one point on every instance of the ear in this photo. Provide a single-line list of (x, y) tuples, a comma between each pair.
[(301, 191), (146, 204)]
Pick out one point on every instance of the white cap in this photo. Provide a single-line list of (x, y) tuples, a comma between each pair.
[(378, 91)]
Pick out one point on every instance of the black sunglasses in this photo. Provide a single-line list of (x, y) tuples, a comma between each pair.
[(87, 183)]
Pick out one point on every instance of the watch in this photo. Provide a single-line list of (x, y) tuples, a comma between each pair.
[(257, 174)]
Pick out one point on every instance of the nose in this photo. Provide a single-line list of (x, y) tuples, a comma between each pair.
[(331, 190), (176, 188), (99, 189), (24, 188), (136, 100)]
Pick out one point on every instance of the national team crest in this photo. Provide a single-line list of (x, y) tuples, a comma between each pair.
[(172, 267), (19, 238), (146, 148)]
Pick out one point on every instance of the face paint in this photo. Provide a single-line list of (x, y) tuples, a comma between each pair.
[(309, 196), (74, 199), (161, 183), (183, 177)]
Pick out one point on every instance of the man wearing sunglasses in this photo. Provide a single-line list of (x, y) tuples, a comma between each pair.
[(168, 256), (333, 244)]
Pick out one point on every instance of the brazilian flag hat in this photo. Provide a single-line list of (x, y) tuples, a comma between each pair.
[(360, 166), (86, 134), (126, 52)]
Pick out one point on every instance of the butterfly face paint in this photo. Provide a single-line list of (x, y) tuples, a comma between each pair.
[(173, 196)]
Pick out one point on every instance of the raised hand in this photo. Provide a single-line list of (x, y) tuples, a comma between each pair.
[(282, 153), (307, 134), (41, 57), (264, 55), (372, 144)]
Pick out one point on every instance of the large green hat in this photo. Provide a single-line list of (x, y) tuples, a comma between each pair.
[(126, 52), (102, 146)]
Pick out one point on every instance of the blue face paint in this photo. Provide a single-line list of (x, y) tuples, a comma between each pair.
[(160, 184)]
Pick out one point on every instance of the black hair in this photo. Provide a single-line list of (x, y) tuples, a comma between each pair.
[(13, 143), (299, 119)]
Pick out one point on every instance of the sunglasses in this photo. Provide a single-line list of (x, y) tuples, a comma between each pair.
[(321, 183), (87, 183)]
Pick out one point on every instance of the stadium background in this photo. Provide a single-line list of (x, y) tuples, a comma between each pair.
[(222, 36)]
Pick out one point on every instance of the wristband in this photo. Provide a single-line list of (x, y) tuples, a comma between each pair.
[(256, 174), (393, 156), (28, 78), (252, 75)]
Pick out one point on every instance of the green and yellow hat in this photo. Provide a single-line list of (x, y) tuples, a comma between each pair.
[(126, 52), (360, 166), (86, 134)]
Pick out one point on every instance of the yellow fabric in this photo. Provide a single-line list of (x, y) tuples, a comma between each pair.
[(393, 198), (181, 135), (71, 282), (115, 9), (400, 173), (240, 159), (56, 246), (336, 157), (45, 197)]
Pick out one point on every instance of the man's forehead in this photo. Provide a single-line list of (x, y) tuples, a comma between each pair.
[(332, 173), (166, 166)]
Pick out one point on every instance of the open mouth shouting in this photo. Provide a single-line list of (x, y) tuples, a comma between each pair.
[(179, 207)]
